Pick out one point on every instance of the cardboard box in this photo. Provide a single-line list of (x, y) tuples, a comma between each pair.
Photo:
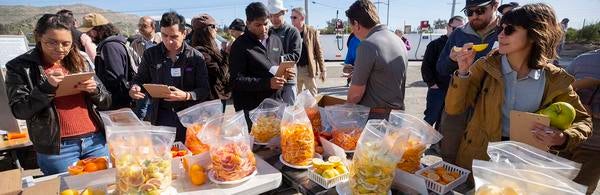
[(11, 183), (327, 100)]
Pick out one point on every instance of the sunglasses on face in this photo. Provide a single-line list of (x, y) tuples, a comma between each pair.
[(508, 29), (477, 10), (212, 26)]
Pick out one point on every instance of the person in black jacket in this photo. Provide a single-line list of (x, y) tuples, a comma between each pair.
[(254, 59), (112, 61), (176, 64), (436, 91), (205, 33), (62, 128), (292, 45)]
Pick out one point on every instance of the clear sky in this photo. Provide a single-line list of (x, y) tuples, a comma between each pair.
[(401, 11)]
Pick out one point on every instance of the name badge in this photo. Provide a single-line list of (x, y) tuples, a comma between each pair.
[(175, 72)]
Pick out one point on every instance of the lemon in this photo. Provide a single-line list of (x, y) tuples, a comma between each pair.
[(480, 47), (69, 192), (335, 160), (330, 173)]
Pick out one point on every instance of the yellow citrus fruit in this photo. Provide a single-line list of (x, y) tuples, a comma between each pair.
[(480, 47), (69, 192)]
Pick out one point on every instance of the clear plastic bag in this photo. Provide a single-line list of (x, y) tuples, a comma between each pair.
[(499, 179), (194, 118), (266, 120), (513, 153), (120, 117), (374, 163), (308, 101), (422, 135), (142, 158), (297, 138), (347, 121), (230, 147)]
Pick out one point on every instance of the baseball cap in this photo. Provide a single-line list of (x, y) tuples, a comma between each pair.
[(92, 20), (237, 24), (203, 20), (475, 3), (511, 4), (276, 6)]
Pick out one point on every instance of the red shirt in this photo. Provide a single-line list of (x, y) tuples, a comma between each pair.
[(73, 115)]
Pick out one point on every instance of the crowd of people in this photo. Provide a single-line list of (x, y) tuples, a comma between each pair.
[(469, 98)]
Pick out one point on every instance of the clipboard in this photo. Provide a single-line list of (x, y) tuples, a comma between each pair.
[(67, 85), (157, 90), (284, 65), (520, 128)]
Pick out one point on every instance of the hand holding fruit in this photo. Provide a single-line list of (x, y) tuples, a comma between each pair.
[(465, 57)]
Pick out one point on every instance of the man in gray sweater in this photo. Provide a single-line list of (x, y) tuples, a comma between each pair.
[(292, 45), (379, 76)]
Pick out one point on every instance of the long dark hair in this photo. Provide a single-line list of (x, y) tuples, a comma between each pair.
[(73, 62), (202, 38), (105, 31), (542, 28)]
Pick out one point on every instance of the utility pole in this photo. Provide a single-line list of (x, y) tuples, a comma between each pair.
[(387, 22), (453, 7), (306, 11)]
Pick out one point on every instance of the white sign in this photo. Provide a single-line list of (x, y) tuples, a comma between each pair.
[(12, 46)]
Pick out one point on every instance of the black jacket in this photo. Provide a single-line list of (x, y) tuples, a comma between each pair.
[(218, 73), (113, 68), (428, 69), (291, 41), (155, 69), (249, 66), (31, 98)]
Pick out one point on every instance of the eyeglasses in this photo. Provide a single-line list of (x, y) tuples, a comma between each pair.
[(478, 10), (57, 44), (508, 29), (212, 26)]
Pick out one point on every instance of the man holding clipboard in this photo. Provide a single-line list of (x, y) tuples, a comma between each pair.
[(255, 59), (173, 73)]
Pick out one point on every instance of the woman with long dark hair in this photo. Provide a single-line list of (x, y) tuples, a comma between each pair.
[(204, 40), (62, 129), (518, 76)]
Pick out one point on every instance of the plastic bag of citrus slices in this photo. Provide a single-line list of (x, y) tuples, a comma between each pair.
[(308, 101), (194, 118), (422, 135), (231, 154), (347, 121), (297, 138), (499, 179), (266, 120), (142, 159), (374, 162)]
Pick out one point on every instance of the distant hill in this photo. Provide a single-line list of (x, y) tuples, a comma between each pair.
[(21, 19)]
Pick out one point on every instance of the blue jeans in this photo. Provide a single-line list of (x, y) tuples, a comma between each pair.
[(72, 150), (435, 106)]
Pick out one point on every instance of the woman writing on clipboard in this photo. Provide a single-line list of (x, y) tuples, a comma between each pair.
[(63, 129)]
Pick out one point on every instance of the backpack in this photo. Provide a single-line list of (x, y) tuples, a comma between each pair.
[(123, 85)]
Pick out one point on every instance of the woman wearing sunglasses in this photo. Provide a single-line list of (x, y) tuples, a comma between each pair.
[(63, 129), (203, 39), (518, 76)]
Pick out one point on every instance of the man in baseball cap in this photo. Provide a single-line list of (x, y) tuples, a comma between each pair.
[(504, 8), (92, 20), (237, 28), (292, 44)]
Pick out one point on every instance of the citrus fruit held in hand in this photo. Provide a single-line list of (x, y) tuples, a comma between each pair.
[(480, 47)]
